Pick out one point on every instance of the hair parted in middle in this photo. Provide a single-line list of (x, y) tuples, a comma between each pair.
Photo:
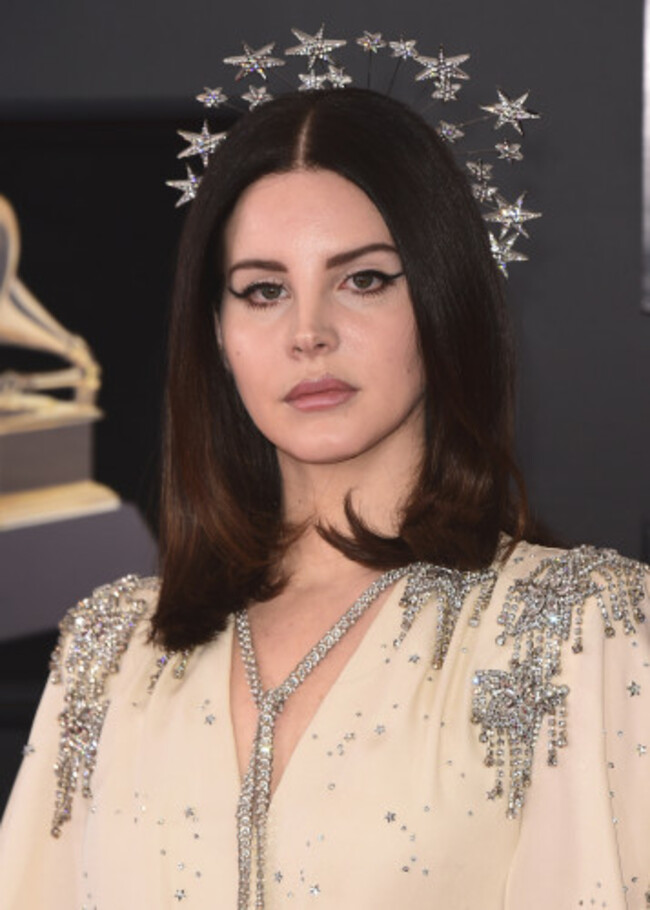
[(222, 529)]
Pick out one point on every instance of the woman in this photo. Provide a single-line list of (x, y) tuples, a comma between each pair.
[(472, 730)]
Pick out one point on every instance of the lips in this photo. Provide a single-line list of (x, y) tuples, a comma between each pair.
[(318, 394)]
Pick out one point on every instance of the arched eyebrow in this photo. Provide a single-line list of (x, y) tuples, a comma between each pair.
[(272, 265)]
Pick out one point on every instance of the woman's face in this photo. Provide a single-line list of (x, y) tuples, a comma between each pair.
[(316, 322)]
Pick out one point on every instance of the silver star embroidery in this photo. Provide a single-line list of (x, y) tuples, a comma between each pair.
[(190, 812), (311, 82), (371, 42), (212, 97), (379, 729), (641, 749), (510, 151), (209, 719), (180, 894), (403, 49), (28, 749), (337, 77), (314, 46), (202, 144), (256, 96), (278, 876), (390, 817), (634, 689), (189, 187), (449, 131), (315, 889), (511, 216), (510, 111), (414, 658), (254, 61), (503, 252)]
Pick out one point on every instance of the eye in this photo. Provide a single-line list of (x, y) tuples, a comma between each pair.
[(370, 281), (260, 293)]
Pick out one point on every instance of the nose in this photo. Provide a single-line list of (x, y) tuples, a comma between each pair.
[(313, 331)]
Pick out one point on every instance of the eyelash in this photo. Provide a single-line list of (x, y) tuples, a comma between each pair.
[(385, 279)]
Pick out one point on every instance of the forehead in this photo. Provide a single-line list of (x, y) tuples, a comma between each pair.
[(303, 208)]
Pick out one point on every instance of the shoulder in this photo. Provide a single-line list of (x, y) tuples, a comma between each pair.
[(559, 621), (94, 636)]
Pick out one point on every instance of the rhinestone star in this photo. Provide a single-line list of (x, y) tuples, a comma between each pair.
[(256, 96), (188, 187), (337, 77), (403, 49), (311, 82), (510, 151), (379, 729), (315, 889), (278, 876), (442, 68), (371, 42), (209, 719), (503, 252), (254, 61), (480, 170), (390, 817), (510, 111), (314, 46), (202, 144), (180, 894), (449, 131), (634, 689), (641, 749), (212, 97), (28, 749), (511, 216)]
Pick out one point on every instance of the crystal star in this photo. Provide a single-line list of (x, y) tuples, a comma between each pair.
[(254, 61), (203, 143), (256, 96), (511, 216), (188, 187), (212, 97), (449, 131), (390, 817), (442, 68), (337, 78), (510, 111), (315, 889), (503, 252), (379, 729), (634, 689), (480, 170), (510, 151), (311, 82), (180, 894), (641, 749), (371, 42), (278, 876), (209, 719), (403, 49), (314, 46), (483, 192)]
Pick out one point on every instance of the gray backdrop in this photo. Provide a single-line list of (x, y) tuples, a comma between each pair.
[(584, 346)]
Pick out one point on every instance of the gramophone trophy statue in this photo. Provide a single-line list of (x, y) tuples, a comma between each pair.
[(61, 533), (45, 442)]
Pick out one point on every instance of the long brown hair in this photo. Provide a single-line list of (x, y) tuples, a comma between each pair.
[(222, 531)]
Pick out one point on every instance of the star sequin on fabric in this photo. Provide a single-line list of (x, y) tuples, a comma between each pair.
[(541, 612), (98, 630)]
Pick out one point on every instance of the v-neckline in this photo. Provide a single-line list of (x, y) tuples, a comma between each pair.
[(349, 669)]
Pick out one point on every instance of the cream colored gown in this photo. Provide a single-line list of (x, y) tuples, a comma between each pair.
[(397, 795)]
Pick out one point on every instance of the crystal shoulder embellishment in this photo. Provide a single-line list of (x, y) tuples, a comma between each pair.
[(541, 612), (94, 635)]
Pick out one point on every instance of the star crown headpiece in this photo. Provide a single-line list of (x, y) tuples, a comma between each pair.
[(442, 77)]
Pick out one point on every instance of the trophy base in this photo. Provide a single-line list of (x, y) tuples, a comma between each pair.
[(55, 503)]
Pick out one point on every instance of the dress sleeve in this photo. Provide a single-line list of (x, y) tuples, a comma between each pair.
[(585, 828), (43, 830), (37, 870)]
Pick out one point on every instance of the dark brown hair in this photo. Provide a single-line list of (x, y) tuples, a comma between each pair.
[(222, 532)]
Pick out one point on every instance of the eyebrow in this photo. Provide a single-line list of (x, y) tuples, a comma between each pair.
[(273, 265)]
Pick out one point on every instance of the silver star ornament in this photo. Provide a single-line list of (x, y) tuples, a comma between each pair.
[(502, 250), (449, 131), (371, 42), (256, 96), (511, 215), (212, 97), (405, 50), (188, 187), (311, 81), (316, 47), (510, 111), (509, 151), (254, 61), (337, 77), (203, 143)]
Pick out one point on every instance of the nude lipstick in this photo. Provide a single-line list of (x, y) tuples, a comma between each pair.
[(319, 394)]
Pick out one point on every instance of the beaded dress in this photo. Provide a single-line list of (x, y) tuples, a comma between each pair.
[(486, 746)]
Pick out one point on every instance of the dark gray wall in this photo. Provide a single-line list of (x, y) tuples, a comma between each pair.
[(584, 347)]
